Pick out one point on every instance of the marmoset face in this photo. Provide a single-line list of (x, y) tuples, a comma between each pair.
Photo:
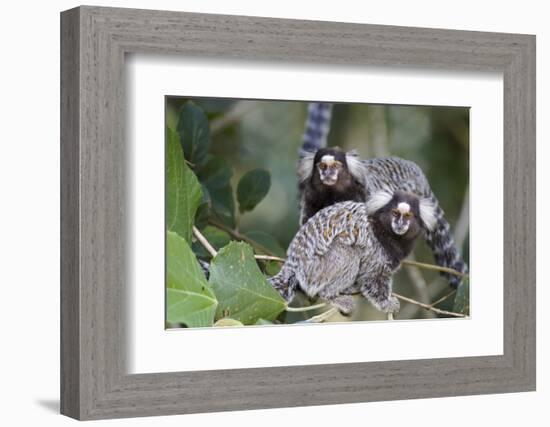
[(329, 169), (400, 215), (401, 218)]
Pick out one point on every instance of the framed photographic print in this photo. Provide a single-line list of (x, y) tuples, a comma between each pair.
[(303, 212)]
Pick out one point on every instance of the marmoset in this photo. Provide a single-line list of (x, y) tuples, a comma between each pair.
[(330, 175), (355, 247)]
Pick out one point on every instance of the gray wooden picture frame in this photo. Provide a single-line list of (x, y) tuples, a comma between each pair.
[(94, 41)]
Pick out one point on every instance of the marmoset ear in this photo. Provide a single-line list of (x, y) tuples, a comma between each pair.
[(305, 165), (356, 167), (377, 201), (427, 213)]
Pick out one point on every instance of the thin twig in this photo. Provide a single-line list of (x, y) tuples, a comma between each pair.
[(443, 298), (269, 258), (198, 235), (421, 287), (308, 308), (429, 307), (434, 267), (321, 317), (236, 235)]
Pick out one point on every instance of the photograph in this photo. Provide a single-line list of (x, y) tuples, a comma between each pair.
[(291, 212)]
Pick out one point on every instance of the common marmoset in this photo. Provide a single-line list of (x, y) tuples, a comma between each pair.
[(355, 247), (329, 175)]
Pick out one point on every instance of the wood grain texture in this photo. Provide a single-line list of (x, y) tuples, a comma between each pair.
[(94, 381), (70, 292)]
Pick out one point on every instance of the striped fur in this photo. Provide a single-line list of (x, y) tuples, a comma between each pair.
[(383, 174), (343, 249), (332, 255), (319, 115), (390, 174)]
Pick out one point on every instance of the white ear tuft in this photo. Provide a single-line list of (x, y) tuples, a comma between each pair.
[(378, 200), (427, 213), (305, 165), (356, 167)]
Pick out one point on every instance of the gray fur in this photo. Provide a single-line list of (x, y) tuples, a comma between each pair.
[(317, 126), (393, 173), (379, 174), (340, 251)]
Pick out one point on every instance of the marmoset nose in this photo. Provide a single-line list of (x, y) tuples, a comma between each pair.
[(329, 176)]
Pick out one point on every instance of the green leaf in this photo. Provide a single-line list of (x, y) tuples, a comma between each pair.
[(215, 173), (216, 237), (201, 218), (223, 204), (226, 321), (462, 298), (183, 191), (252, 188), (194, 133), (263, 322), (267, 241), (203, 211), (272, 268), (189, 298), (242, 291)]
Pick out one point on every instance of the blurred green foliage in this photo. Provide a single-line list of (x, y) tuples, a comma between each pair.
[(244, 154)]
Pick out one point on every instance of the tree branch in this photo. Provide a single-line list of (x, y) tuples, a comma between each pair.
[(321, 317), (269, 258), (443, 298), (198, 235), (421, 287), (237, 235), (434, 267), (429, 307)]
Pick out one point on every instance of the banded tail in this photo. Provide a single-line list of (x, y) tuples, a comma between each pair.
[(441, 242), (319, 115)]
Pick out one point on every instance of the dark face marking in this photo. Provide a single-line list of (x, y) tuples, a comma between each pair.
[(330, 164), (330, 182), (398, 224)]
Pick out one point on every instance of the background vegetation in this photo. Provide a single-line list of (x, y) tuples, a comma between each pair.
[(230, 168)]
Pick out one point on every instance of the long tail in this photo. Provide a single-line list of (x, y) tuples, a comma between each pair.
[(442, 244), (317, 128)]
